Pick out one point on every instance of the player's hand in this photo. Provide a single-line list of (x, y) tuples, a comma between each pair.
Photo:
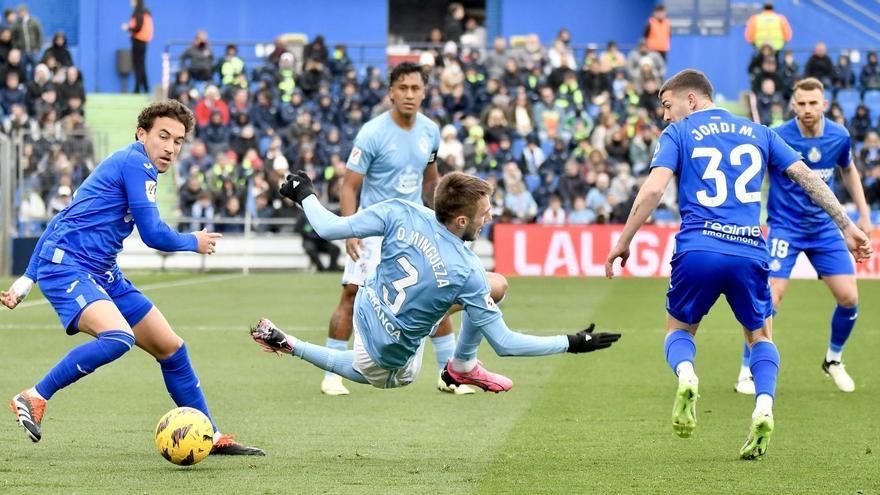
[(858, 243), (587, 341), (618, 251), (353, 248), (207, 241), (17, 292), (297, 187)]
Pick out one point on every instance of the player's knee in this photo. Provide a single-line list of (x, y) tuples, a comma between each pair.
[(848, 299), (498, 285), (116, 343)]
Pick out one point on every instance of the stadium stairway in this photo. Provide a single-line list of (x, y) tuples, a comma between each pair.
[(115, 116)]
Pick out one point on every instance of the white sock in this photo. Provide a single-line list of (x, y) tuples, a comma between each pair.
[(763, 403), (216, 436), (833, 356), (685, 372), (460, 366), (744, 372), (33, 393)]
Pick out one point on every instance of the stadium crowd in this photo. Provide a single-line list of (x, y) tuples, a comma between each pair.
[(42, 103)]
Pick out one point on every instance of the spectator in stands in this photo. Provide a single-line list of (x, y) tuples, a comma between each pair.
[(58, 50), (560, 56), (60, 201), (597, 198), (869, 77), (549, 114), (612, 58), (860, 123), (231, 66), (453, 25), (140, 31), (14, 64), (31, 214), (545, 190), (18, 123), (182, 84), (9, 17), (532, 156), (869, 155), (340, 63), (241, 143), (198, 58), (72, 87), (555, 162), (555, 213), (210, 103), (767, 70), (623, 184), (475, 35), (580, 214), (314, 75), (27, 36), (5, 45), (532, 54), (518, 201), (789, 73), (216, 134), (13, 93), (496, 60), (451, 150), (765, 99), (572, 184), (658, 31), (820, 65), (595, 82), (768, 28), (317, 51), (232, 211), (264, 115), (635, 60), (34, 88), (202, 212), (844, 76), (512, 77)]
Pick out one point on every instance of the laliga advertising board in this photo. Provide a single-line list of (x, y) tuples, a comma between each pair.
[(575, 251)]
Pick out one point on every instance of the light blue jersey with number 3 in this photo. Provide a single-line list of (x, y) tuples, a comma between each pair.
[(720, 161), (424, 270)]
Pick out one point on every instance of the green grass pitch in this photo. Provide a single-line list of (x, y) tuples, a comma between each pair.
[(594, 423)]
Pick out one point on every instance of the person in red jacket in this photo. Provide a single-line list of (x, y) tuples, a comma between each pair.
[(658, 32)]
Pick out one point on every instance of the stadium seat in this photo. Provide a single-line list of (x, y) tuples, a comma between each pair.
[(532, 182), (848, 99), (872, 101), (517, 146)]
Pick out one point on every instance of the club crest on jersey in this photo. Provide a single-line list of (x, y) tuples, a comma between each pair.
[(814, 155), (423, 144), (775, 265), (150, 186), (355, 157)]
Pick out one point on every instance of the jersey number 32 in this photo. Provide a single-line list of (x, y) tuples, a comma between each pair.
[(715, 174)]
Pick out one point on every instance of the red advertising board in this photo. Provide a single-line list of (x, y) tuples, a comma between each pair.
[(570, 251)]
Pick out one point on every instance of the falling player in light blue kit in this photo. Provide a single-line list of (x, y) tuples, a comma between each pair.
[(719, 161), (798, 225), (74, 263), (425, 271)]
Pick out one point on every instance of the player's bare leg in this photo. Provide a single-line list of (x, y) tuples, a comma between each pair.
[(340, 331), (765, 367), (679, 340), (154, 335), (846, 293)]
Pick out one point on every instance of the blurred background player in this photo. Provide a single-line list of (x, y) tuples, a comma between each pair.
[(393, 157), (74, 263), (799, 225), (720, 248), (425, 271)]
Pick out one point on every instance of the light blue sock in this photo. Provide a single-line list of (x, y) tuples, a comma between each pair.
[(764, 364), (338, 362), (469, 338), (84, 359), (182, 383), (336, 345), (443, 348), (747, 353), (842, 323), (680, 347)]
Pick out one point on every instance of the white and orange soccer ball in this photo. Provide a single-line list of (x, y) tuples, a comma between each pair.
[(184, 436)]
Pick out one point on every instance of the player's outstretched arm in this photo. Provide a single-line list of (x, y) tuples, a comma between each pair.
[(158, 235), (507, 342), (645, 203), (856, 240)]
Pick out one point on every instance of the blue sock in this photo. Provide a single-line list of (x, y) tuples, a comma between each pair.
[(443, 348), (747, 353), (469, 338), (842, 324), (183, 384), (336, 345), (84, 359), (679, 347), (332, 360), (764, 364)]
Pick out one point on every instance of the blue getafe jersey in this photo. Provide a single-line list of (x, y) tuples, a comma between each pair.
[(90, 231), (424, 270), (393, 160), (719, 160), (788, 205)]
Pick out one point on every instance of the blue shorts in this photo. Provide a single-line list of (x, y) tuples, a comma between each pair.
[(700, 277), (826, 251), (70, 288)]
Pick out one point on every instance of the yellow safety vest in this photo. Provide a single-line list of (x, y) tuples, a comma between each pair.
[(768, 31)]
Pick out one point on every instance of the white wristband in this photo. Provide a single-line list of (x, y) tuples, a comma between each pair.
[(22, 287)]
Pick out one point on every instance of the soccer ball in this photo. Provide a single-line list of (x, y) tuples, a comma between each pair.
[(184, 436)]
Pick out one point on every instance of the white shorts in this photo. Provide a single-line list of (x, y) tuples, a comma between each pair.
[(380, 377), (356, 272)]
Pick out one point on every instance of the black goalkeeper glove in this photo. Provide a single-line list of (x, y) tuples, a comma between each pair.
[(587, 341), (297, 187)]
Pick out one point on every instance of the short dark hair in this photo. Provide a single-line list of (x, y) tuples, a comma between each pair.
[(809, 84), (403, 69), (166, 108), (458, 194), (688, 79)]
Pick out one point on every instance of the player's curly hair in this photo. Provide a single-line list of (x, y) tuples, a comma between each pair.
[(172, 109), (403, 69), (458, 194)]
